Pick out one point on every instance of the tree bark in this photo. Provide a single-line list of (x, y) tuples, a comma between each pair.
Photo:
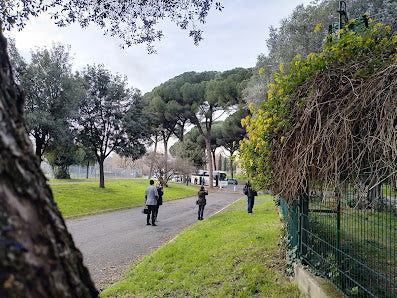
[(38, 148), (101, 161), (88, 169), (62, 172), (37, 255), (231, 168), (210, 165), (207, 139), (213, 159), (165, 141), (166, 136)]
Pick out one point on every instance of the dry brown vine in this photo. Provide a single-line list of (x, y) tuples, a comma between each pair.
[(346, 130)]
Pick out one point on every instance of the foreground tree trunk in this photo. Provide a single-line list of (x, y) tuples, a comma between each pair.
[(37, 255)]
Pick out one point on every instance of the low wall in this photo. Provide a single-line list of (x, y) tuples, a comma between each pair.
[(313, 286)]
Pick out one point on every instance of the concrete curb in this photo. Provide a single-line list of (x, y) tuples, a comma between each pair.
[(314, 286)]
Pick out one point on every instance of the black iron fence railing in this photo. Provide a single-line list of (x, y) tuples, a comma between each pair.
[(348, 237)]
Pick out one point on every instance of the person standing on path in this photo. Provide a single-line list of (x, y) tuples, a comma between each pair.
[(160, 199), (151, 196), (201, 202), (251, 194)]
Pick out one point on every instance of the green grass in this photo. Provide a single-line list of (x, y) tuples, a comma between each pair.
[(76, 199), (389, 191), (231, 254), (362, 226), (64, 181)]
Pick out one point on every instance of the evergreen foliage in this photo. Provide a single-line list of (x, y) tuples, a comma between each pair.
[(51, 92), (110, 117), (296, 35)]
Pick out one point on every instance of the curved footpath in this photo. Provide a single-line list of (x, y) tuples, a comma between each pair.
[(111, 242)]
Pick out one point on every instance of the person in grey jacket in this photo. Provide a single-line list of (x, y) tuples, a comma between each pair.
[(151, 196)]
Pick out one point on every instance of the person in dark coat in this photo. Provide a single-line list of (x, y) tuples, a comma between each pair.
[(160, 199), (151, 196), (201, 202), (251, 194)]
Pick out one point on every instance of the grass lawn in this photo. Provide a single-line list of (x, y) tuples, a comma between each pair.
[(231, 254), (80, 198)]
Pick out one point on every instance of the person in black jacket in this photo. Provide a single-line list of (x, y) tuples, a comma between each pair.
[(201, 202), (160, 198), (251, 194)]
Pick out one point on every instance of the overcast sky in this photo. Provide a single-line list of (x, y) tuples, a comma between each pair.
[(232, 38)]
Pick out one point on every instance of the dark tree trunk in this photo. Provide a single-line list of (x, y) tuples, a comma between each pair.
[(101, 172), (231, 168), (62, 172), (41, 144), (166, 136), (210, 165), (214, 160), (38, 148), (38, 256), (88, 169), (165, 140), (207, 139)]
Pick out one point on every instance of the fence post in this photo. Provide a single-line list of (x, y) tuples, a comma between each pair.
[(303, 221), (338, 230), (338, 256)]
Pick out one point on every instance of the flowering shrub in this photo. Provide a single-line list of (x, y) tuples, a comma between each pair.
[(304, 95)]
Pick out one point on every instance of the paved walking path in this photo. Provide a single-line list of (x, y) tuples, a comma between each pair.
[(111, 242)]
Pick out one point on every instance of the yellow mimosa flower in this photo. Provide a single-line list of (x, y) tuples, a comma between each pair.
[(251, 107), (317, 27)]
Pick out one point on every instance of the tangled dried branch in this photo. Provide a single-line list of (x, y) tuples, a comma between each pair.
[(346, 130)]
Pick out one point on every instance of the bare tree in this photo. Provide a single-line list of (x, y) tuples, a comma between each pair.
[(165, 167)]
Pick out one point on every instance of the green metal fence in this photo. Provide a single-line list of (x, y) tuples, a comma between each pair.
[(349, 237)]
